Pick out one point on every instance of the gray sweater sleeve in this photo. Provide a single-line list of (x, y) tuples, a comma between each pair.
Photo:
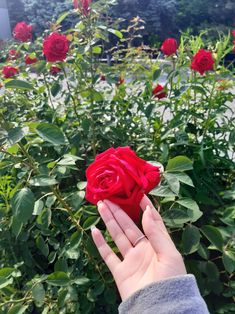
[(176, 295)]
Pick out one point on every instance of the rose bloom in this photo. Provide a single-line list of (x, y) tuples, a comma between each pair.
[(169, 46), (22, 31), (54, 70), (120, 176), (233, 32), (30, 60), (55, 47), (13, 54), (158, 92), (83, 6), (9, 71), (202, 61)]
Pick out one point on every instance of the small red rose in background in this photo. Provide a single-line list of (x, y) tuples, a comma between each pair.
[(30, 60), (22, 31), (158, 92), (203, 61), (169, 46), (54, 70), (102, 77), (233, 32), (120, 176), (13, 54), (55, 47), (83, 6), (9, 71)]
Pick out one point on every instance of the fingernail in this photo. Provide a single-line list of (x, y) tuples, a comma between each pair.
[(93, 227), (99, 203), (148, 208)]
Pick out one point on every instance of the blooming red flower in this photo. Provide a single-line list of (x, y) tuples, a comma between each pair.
[(9, 71), (83, 6), (55, 47), (158, 92), (13, 54), (233, 32), (169, 46), (22, 31), (202, 61), (30, 60), (54, 70), (120, 176)]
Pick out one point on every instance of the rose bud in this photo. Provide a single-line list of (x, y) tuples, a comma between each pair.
[(158, 92), (169, 46)]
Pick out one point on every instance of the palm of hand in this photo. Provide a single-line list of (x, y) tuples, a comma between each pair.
[(141, 267), (153, 258)]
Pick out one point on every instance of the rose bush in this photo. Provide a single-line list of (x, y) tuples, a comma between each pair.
[(120, 176), (57, 116)]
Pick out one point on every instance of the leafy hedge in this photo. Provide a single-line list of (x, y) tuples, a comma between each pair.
[(51, 128)]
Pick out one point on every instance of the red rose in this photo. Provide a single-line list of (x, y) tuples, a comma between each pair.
[(54, 70), (55, 47), (202, 61), (22, 31), (30, 60), (9, 71), (169, 46), (13, 54), (158, 92), (120, 176), (83, 6), (102, 77), (233, 32)]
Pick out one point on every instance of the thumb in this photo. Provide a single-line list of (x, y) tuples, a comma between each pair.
[(156, 233)]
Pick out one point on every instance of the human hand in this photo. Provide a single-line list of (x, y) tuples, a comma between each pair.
[(147, 260)]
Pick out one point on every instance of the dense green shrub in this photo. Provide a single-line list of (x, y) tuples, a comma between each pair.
[(52, 127)]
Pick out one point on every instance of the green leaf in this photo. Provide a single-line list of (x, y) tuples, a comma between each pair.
[(175, 217), (156, 74), (5, 273), (18, 84), (55, 89), (51, 133), (58, 278), (213, 235), (62, 17), (188, 203), (179, 163), (23, 204), (162, 191), (190, 239), (229, 261), (91, 221), (38, 293), (96, 49), (38, 207), (16, 226), (81, 281), (115, 32), (4, 282), (15, 135), (42, 246), (173, 182), (42, 180), (182, 177)]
